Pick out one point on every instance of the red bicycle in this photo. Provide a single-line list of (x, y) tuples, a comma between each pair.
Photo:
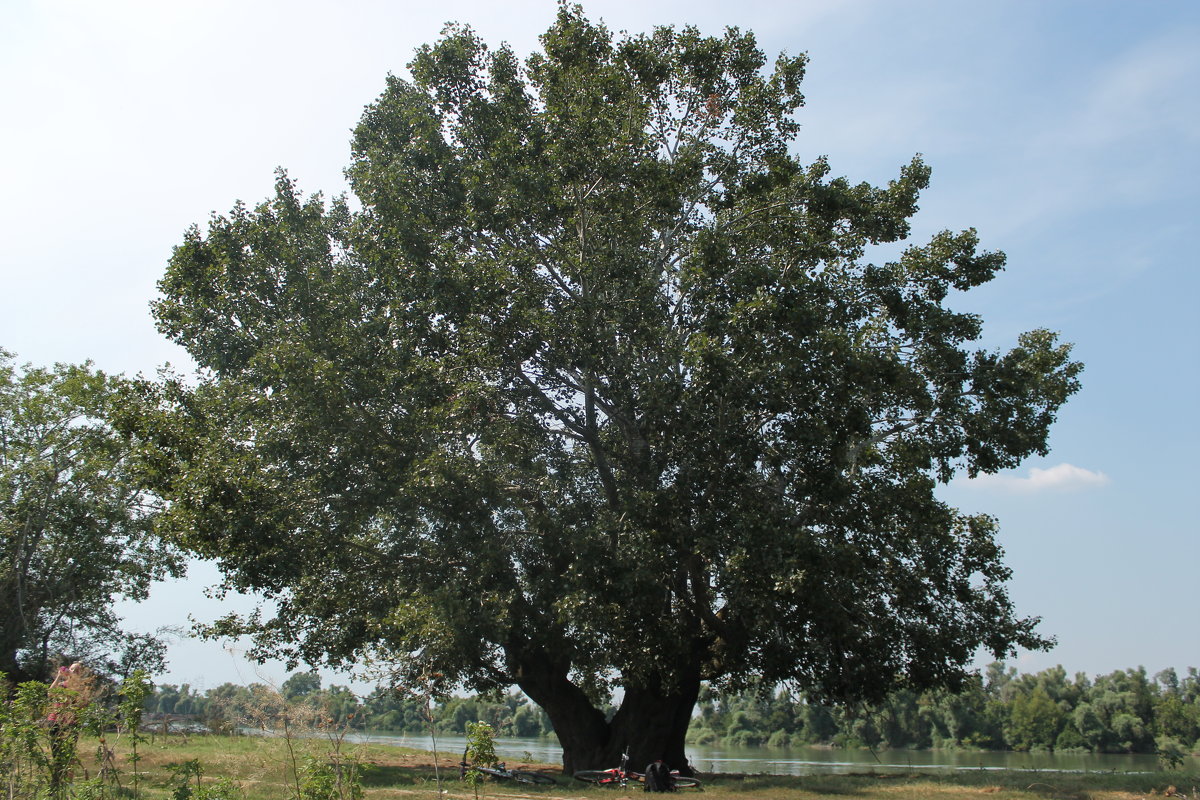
[(620, 776)]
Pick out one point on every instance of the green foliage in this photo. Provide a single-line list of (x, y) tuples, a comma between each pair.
[(321, 780), (39, 732), (224, 707), (75, 529), (481, 744), (1006, 710), (594, 361), (221, 789), (1171, 753), (92, 789), (481, 752), (1035, 721), (779, 740), (184, 773), (1038, 711), (301, 684), (24, 754), (134, 691), (1069, 739), (187, 777), (268, 708)]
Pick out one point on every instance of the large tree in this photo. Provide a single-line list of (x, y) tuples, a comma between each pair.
[(75, 529), (595, 386)]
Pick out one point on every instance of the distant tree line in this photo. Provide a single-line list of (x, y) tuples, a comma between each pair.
[(1123, 712), (229, 706)]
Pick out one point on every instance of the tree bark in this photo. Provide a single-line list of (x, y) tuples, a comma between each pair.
[(651, 723), (581, 728), (11, 670), (11, 632)]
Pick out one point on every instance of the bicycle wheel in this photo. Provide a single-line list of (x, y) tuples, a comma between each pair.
[(686, 783), (598, 776), (532, 777)]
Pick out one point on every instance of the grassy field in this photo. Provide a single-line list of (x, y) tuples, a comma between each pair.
[(267, 769)]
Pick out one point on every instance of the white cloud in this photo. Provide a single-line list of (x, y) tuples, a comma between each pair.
[(1060, 478)]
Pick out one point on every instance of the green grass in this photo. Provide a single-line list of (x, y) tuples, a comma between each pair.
[(263, 769)]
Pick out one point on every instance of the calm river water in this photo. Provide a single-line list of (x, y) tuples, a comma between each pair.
[(809, 760)]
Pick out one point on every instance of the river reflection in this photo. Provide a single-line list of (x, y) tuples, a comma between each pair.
[(810, 760)]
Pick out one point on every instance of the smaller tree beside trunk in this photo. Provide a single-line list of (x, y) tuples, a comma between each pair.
[(75, 528)]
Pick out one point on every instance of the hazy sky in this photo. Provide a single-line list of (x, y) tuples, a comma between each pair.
[(1066, 132)]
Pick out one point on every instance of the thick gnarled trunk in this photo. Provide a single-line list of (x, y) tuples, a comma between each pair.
[(651, 723)]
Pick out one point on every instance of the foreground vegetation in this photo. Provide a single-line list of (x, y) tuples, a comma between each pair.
[(274, 768)]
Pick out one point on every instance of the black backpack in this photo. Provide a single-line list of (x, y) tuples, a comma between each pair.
[(659, 778)]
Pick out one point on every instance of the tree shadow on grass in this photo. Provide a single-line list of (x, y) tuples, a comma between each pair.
[(383, 776), (773, 787)]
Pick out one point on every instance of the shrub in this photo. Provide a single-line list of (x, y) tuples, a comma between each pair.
[(780, 740)]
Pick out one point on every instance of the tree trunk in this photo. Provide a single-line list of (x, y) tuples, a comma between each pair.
[(11, 671), (581, 728), (651, 723)]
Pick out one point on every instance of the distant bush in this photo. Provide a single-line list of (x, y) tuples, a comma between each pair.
[(744, 738), (1070, 741), (780, 740)]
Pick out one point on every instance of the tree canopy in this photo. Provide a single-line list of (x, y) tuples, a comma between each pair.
[(75, 529), (596, 385)]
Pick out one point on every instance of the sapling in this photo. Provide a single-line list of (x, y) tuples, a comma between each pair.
[(24, 763), (134, 691), (481, 751)]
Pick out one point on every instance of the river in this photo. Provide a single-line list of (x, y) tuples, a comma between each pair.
[(810, 760)]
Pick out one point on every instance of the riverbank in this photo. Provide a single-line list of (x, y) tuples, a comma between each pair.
[(821, 759), (260, 768)]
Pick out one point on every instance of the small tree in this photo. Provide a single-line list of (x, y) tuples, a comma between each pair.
[(481, 752), (75, 530), (1034, 721), (25, 759), (1171, 753), (134, 691), (300, 685)]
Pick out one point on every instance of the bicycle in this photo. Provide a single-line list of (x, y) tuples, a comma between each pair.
[(620, 776), (502, 773)]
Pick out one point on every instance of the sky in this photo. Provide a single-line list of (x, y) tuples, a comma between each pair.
[(1066, 131)]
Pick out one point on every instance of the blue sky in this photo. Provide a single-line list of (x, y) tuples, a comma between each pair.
[(1066, 132)]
